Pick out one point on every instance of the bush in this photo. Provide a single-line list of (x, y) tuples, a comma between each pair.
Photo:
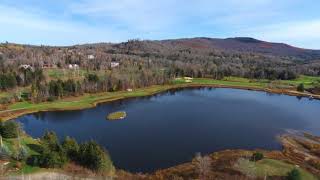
[(9, 129), (294, 175), (48, 159), (55, 155), (50, 140), (5, 151), (21, 154), (52, 154), (71, 148), (51, 99), (34, 160), (94, 157), (300, 88), (257, 156), (51, 159), (5, 100)]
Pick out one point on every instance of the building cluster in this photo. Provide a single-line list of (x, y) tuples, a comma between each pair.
[(73, 66), (26, 66)]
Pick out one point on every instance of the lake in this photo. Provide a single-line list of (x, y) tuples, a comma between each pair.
[(170, 128)]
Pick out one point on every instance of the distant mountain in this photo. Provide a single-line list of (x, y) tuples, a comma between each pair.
[(199, 45), (244, 44)]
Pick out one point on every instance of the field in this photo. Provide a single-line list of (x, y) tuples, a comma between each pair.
[(308, 81), (269, 167), (65, 74)]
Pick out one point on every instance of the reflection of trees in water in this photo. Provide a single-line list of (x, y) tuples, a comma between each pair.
[(273, 94), (59, 116), (40, 116)]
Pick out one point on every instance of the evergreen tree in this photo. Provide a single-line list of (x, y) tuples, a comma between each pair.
[(94, 157), (9, 129), (71, 148)]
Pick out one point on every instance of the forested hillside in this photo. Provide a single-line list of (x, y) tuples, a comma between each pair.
[(54, 72)]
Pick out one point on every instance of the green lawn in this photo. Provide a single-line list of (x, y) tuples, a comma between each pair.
[(231, 81), (66, 74), (26, 141), (308, 81), (269, 167), (87, 100)]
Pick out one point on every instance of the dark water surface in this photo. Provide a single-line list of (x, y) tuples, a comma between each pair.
[(168, 129)]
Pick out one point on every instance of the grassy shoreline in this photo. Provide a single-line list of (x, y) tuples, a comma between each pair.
[(91, 100)]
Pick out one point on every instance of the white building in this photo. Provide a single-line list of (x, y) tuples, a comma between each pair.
[(25, 67), (114, 64), (91, 56), (73, 66)]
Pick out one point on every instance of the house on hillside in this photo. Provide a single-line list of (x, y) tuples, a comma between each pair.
[(91, 56), (114, 64), (188, 79), (26, 66), (73, 66)]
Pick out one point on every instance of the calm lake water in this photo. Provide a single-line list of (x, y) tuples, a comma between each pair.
[(170, 128)]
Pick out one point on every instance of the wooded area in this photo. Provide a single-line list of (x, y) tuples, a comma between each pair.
[(135, 64)]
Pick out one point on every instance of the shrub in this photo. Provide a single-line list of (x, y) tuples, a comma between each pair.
[(71, 148), (51, 99), (5, 151), (48, 159), (51, 159), (294, 175), (257, 156), (21, 154), (94, 157), (9, 129), (5, 100), (50, 140), (34, 160), (300, 88), (52, 154)]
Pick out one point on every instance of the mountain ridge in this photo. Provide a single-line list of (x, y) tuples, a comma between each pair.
[(233, 44)]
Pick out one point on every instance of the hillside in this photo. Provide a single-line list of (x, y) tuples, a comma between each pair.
[(136, 64), (243, 45)]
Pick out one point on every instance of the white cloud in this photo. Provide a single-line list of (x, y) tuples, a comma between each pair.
[(71, 21), (300, 33), (140, 15), (31, 27)]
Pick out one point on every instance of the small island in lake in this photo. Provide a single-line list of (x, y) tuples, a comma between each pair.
[(117, 115)]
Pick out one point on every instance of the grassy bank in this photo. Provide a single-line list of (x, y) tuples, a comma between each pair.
[(90, 100), (270, 167), (13, 145)]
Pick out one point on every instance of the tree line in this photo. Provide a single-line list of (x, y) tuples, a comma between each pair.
[(141, 64), (51, 153)]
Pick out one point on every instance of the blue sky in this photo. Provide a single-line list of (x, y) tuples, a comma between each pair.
[(67, 22)]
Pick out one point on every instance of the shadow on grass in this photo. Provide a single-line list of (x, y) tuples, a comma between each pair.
[(35, 147)]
